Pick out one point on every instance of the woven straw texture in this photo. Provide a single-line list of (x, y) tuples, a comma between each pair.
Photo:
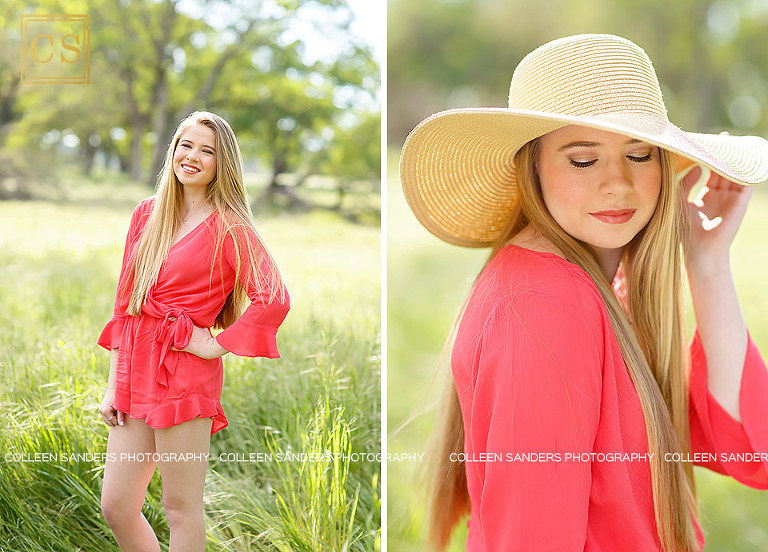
[(457, 167)]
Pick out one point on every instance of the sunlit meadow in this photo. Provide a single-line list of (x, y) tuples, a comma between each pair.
[(59, 262)]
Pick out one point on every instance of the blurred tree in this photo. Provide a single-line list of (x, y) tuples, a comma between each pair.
[(300, 111), (155, 61), (709, 54), (10, 70)]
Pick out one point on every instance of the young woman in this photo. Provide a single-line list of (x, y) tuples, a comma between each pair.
[(193, 260), (576, 412)]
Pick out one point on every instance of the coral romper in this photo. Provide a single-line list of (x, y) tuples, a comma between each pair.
[(165, 387)]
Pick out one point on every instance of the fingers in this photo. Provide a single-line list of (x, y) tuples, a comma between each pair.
[(108, 416), (112, 417)]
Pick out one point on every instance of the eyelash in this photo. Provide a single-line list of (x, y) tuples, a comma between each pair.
[(586, 164), (190, 147)]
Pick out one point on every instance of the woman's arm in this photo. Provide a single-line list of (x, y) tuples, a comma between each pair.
[(108, 414), (529, 382), (203, 344), (254, 333), (716, 306)]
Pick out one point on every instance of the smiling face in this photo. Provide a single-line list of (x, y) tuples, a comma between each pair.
[(600, 187), (194, 160)]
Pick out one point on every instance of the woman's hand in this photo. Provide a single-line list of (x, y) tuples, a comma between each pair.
[(715, 217), (203, 344), (109, 415)]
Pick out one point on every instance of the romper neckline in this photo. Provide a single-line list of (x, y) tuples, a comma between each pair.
[(194, 230)]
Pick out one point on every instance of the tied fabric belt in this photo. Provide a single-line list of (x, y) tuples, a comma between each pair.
[(174, 330)]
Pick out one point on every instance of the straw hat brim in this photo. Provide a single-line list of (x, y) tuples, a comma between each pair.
[(458, 175)]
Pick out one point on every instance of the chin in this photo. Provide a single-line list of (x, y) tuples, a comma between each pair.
[(614, 241)]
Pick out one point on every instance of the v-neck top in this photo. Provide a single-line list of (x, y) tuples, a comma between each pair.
[(166, 387), (540, 376), (205, 221)]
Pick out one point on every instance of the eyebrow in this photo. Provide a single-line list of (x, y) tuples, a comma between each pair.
[(191, 142), (579, 144)]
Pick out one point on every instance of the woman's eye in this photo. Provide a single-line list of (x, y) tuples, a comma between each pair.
[(186, 146), (209, 152), (640, 159), (583, 164)]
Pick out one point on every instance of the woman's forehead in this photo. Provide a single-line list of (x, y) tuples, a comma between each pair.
[(572, 136), (199, 133)]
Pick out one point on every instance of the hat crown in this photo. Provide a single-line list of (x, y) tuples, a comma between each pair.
[(587, 75)]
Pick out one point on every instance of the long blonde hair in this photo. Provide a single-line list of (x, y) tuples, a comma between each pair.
[(226, 192), (651, 337)]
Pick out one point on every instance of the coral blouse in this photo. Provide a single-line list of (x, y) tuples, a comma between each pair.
[(165, 387), (538, 370)]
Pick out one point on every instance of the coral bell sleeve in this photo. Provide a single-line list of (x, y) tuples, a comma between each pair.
[(555, 443), (254, 333), (166, 387)]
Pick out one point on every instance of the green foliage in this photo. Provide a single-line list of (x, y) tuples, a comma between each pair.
[(58, 269), (152, 63), (708, 54)]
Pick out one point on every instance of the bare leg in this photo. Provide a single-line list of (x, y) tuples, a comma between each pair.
[(125, 485), (184, 481)]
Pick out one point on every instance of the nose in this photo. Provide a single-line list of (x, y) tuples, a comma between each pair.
[(617, 179)]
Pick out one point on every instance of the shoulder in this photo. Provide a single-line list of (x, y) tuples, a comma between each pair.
[(537, 278), (146, 205), (534, 316), (235, 230), (523, 292), (143, 210)]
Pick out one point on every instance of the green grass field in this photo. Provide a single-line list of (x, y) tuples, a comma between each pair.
[(58, 269), (426, 282)]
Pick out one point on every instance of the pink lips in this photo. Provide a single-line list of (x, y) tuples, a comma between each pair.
[(614, 217), (189, 169)]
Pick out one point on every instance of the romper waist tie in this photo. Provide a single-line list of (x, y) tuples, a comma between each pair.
[(174, 330)]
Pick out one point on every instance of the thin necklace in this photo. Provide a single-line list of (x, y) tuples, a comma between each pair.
[(189, 215)]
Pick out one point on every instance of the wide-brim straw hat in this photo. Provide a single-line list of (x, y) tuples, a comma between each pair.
[(457, 166)]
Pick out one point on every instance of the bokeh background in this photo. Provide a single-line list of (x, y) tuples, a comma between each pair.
[(299, 82), (712, 61)]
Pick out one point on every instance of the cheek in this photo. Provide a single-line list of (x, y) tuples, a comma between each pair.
[(650, 188), (561, 191)]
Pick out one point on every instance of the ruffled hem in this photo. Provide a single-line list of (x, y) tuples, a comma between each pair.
[(179, 411), (253, 341), (112, 333)]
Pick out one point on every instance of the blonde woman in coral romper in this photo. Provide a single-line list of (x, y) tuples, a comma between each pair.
[(193, 261), (576, 410)]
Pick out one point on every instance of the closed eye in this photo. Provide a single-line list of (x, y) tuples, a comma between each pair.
[(583, 164), (643, 159)]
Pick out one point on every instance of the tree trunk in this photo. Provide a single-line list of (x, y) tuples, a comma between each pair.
[(89, 153), (137, 133), (160, 128)]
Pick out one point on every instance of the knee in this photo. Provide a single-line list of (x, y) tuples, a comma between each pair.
[(115, 512), (181, 510)]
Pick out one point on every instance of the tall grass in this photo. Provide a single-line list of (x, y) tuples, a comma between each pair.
[(58, 270)]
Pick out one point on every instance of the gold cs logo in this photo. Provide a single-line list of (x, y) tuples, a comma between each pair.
[(55, 49), (64, 45)]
